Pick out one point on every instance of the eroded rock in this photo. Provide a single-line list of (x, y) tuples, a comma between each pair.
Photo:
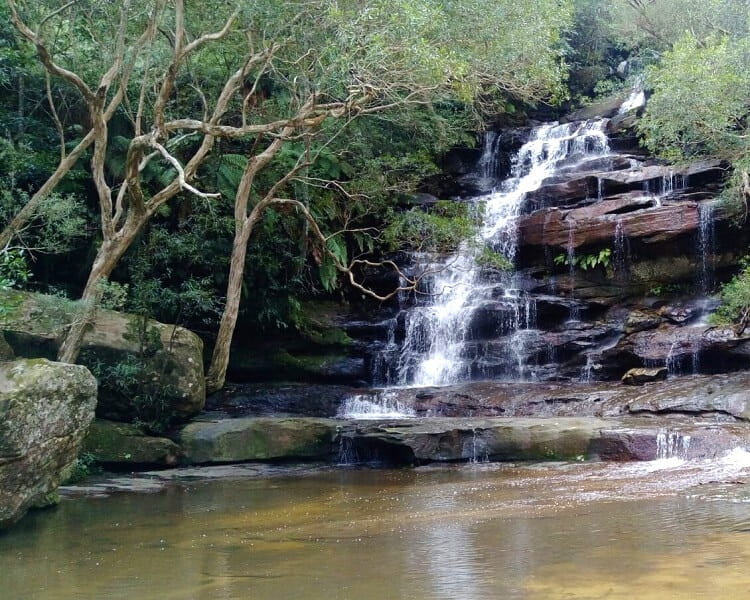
[(246, 439)]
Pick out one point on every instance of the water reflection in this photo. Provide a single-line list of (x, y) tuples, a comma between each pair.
[(527, 533)]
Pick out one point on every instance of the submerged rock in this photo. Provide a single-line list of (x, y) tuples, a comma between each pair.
[(45, 409), (34, 324)]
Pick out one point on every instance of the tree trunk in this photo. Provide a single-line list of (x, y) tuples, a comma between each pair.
[(103, 265), (106, 260), (217, 371)]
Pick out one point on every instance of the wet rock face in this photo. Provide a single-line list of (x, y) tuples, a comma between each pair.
[(279, 399), (34, 324), (440, 439), (45, 410), (724, 397)]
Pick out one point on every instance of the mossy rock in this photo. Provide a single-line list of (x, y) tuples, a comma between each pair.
[(257, 439), (318, 324), (6, 352), (252, 363), (114, 443)]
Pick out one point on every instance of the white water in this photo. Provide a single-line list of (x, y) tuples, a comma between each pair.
[(671, 445), (434, 348), (706, 247), (636, 100), (380, 406)]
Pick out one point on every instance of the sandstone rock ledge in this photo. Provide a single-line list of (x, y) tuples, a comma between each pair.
[(453, 439)]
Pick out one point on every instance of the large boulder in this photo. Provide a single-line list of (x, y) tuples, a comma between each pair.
[(45, 410), (246, 439), (34, 325)]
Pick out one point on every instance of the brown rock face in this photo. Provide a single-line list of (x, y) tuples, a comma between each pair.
[(597, 224)]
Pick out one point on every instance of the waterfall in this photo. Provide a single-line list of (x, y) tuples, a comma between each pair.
[(636, 100), (487, 165), (706, 248), (436, 329)]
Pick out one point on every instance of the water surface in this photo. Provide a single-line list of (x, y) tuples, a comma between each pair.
[(573, 531)]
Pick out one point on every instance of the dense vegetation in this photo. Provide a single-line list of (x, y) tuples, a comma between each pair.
[(213, 167)]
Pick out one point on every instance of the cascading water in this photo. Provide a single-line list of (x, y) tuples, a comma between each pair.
[(434, 349), (672, 444), (379, 406), (705, 246), (621, 252)]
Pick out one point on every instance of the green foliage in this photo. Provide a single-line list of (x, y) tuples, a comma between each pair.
[(491, 259), (113, 295), (83, 467), (14, 270), (735, 298), (700, 100), (440, 229), (586, 261), (642, 26)]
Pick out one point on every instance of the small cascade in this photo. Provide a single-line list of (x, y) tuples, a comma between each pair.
[(587, 371), (571, 260), (379, 406), (672, 444), (636, 100), (706, 247), (347, 454), (487, 167), (621, 254), (479, 453), (674, 360)]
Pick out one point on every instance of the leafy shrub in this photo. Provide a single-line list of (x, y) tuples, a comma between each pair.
[(735, 299), (140, 379), (441, 229), (586, 261), (490, 259), (14, 270), (82, 468)]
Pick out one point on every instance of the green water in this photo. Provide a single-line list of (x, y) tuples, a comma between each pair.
[(476, 531)]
